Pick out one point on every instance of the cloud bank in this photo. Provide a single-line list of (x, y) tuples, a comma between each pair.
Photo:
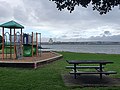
[(43, 16)]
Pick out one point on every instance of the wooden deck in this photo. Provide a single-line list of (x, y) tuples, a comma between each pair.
[(31, 62)]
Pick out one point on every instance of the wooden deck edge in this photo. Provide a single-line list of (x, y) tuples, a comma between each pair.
[(46, 61), (34, 64)]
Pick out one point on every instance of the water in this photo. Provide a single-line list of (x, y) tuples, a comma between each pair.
[(108, 49)]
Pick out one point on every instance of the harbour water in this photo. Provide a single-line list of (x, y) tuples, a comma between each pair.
[(107, 49)]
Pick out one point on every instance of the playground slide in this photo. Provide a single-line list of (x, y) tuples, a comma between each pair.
[(27, 51)]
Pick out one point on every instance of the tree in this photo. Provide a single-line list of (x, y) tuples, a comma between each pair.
[(102, 6)]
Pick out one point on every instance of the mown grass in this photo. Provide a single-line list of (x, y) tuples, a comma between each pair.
[(48, 77)]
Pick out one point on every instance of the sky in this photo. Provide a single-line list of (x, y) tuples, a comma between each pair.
[(42, 16)]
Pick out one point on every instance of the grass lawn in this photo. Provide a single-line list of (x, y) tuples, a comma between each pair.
[(48, 77)]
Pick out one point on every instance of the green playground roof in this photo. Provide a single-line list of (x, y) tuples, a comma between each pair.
[(11, 24)]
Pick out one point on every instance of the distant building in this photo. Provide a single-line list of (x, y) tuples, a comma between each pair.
[(50, 41)]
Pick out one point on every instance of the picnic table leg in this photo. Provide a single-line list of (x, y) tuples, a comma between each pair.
[(100, 71), (75, 71)]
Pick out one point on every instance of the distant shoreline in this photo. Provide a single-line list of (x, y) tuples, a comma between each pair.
[(81, 43), (105, 49)]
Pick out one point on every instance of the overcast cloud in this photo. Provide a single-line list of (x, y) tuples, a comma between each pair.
[(43, 16)]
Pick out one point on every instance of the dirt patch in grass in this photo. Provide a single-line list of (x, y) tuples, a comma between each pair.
[(90, 81)]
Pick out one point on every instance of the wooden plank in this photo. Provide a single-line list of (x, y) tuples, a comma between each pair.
[(107, 72), (84, 67), (88, 61)]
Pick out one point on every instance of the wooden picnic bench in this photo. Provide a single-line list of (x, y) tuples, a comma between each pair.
[(99, 68)]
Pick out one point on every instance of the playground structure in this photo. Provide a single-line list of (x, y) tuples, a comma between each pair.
[(16, 44), (23, 50)]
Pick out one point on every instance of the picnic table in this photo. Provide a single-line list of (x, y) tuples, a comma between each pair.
[(99, 68)]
